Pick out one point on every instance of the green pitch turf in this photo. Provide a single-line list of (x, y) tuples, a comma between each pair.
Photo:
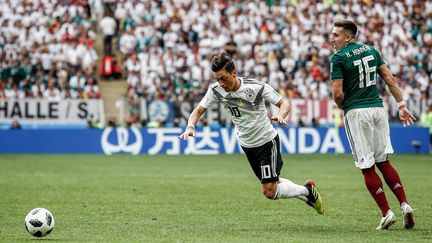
[(202, 199)]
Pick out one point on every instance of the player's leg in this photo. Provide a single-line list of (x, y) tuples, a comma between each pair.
[(359, 129), (260, 160), (375, 187), (383, 147), (360, 132), (289, 189), (313, 198), (392, 179), (274, 187), (266, 162), (285, 188)]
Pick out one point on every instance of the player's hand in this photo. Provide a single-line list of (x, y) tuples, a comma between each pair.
[(280, 120), (189, 132), (406, 117)]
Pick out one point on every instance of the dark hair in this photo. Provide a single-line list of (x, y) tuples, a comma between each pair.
[(347, 25), (222, 61)]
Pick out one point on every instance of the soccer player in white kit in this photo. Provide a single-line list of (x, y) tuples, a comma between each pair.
[(243, 99)]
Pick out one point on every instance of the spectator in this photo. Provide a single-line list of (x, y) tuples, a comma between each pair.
[(112, 122), (2, 91), (15, 125), (91, 89), (128, 42), (43, 44), (52, 93), (133, 108), (95, 123), (77, 81), (108, 26), (177, 41)]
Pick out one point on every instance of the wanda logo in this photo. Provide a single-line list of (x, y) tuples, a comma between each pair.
[(122, 144)]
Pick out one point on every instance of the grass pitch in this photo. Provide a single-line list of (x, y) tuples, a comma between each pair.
[(97, 198)]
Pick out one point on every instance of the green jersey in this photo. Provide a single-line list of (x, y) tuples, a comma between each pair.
[(357, 64)]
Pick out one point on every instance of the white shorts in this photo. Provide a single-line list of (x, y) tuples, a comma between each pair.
[(368, 134)]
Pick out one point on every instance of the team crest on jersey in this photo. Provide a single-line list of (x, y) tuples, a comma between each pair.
[(250, 94)]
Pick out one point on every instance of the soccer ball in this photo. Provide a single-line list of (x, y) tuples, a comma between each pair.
[(39, 222)]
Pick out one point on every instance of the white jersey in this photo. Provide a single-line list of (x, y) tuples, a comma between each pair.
[(247, 109)]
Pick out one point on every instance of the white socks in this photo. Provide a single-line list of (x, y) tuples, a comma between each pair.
[(288, 189)]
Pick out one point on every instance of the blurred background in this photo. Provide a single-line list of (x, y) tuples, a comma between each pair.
[(79, 69)]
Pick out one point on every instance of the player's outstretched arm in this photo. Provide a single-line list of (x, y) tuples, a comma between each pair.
[(404, 114), (192, 121), (284, 110)]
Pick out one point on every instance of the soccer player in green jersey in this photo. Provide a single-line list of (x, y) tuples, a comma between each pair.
[(353, 71)]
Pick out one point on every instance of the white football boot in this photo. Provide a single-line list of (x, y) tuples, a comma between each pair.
[(388, 220), (408, 215)]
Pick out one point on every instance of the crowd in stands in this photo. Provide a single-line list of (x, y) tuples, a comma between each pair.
[(165, 47), (47, 50)]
